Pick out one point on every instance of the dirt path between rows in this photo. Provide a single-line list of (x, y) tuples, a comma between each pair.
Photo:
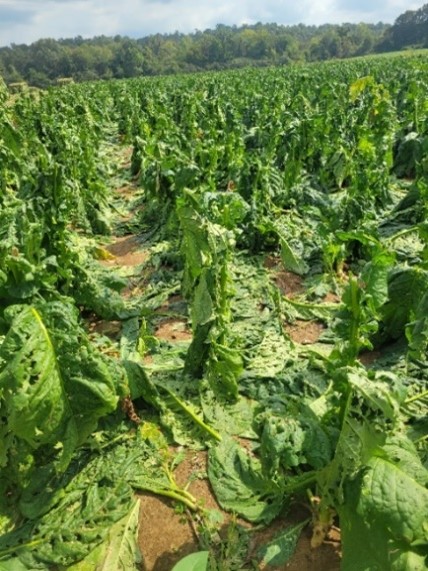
[(167, 533), (166, 536)]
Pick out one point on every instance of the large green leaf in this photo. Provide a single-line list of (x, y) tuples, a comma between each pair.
[(287, 441), (224, 367), (232, 418), (384, 519), (16, 565), (291, 260), (193, 562), (280, 549), (94, 494), (202, 307), (33, 388), (381, 392), (406, 288), (120, 551), (195, 244), (239, 484), (409, 561), (374, 278), (54, 387), (396, 501), (417, 330)]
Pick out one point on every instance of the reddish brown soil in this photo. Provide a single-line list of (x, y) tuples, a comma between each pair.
[(127, 191), (126, 252), (305, 332), (289, 284), (131, 290), (369, 357), (125, 161), (326, 557), (331, 297), (166, 536), (172, 329), (109, 328), (272, 262)]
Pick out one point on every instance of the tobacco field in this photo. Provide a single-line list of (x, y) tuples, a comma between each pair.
[(279, 223)]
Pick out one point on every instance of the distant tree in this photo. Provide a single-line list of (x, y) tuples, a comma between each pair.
[(128, 59), (327, 46), (38, 79), (103, 57), (410, 29), (46, 58)]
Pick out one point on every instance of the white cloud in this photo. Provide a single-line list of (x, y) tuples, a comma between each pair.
[(24, 21)]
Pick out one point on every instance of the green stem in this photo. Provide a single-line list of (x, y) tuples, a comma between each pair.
[(125, 436), (402, 233), (175, 488), (15, 548), (184, 493), (416, 397), (421, 439), (194, 417), (174, 495), (304, 482), (307, 305), (355, 319), (159, 368), (345, 410), (167, 292)]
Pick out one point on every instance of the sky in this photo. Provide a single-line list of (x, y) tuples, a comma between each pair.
[(25, 21)]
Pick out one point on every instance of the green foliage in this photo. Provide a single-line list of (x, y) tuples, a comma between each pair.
[(417, 330), (230, 174), (92, 496), (207, 252), (362, 302), (281, 548), (193, 562), (239, 484), (120, 551), (47, 62), (49, 374), (406, 289), (409, 30), (94, 505), (384, 517), (287, 442)]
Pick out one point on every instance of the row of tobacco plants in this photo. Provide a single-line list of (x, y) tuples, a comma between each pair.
[(311, 171)]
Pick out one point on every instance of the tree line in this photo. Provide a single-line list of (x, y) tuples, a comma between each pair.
[(46, 61)]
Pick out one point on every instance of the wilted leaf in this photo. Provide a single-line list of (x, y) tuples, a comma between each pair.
[(239, 485), (120, 551), (280, 550)]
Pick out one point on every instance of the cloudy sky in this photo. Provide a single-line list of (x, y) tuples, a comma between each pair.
[(24, 21)]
